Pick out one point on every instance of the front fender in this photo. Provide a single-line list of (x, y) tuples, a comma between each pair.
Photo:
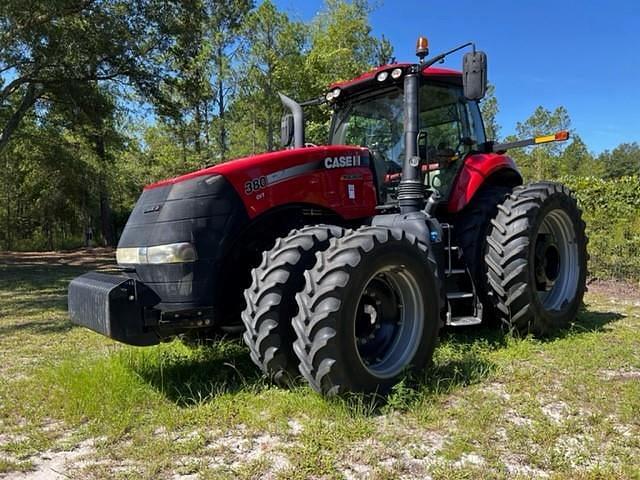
[(475, 171)]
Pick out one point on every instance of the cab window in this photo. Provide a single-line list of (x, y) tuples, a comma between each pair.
[(451, 127)]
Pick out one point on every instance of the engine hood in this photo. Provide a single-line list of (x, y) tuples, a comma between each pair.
[(266, 160), (334, 178)]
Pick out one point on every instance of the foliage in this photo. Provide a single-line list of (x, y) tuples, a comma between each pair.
[(274, 61), (541, 161), (52, 49), (622, 160), (611, 209), (490, 109), (99, 98)]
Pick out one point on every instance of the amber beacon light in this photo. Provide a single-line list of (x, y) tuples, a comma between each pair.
[(422, 47)]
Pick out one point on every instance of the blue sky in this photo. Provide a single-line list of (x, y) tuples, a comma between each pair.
[(584, 55)]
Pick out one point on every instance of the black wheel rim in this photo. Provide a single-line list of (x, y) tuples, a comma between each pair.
[(556, 261), (389, 321)]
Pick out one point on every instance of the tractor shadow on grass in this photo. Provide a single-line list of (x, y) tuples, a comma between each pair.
[(469, 365), (461, 359), (205, 372), (495, 337), (224, 367)]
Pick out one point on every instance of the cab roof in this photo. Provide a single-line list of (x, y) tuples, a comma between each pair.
[(371, 74)]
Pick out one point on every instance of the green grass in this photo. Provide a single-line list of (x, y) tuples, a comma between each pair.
[(492, 406)]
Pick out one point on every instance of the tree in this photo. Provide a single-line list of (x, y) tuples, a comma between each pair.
[(50, 180), (273, 62), (54, 46), (622, 160), (490, 109), (578, 161), (342, 47), (541, 161), (225, 23), (384, 51)]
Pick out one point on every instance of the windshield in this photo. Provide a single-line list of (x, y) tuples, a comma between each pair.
[(452, 124), (372, 121)]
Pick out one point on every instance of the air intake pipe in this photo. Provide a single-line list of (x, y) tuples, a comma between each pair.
[(298, 119)]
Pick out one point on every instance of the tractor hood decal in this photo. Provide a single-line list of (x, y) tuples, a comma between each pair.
[(343, 161)]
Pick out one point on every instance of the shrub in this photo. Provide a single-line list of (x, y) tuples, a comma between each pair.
[(611, 209)]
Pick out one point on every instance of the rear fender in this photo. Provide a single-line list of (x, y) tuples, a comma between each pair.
[(480, 169)]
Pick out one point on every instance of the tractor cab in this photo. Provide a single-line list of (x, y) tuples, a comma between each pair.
[(418, 121), (371, 114)]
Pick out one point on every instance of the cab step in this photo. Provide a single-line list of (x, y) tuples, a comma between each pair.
[(459, 295), (455, 271), (464, 321)]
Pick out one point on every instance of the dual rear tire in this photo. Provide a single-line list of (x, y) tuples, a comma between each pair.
[(369, 312), (536, 259)]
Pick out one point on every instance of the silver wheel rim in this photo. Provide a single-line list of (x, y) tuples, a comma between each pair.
[(389, 321), (556, 262)]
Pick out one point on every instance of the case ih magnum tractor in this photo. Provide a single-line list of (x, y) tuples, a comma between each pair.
[(344, 261)]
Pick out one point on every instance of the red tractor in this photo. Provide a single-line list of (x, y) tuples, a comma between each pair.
[(342, 262)]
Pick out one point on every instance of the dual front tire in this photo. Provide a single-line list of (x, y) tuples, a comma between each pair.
[(369, 312), (352, 312)]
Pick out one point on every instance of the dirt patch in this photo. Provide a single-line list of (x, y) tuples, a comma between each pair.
[(620, 374), (625, 291), (517, 466), (555, 411), (54, 465), (98, 258)]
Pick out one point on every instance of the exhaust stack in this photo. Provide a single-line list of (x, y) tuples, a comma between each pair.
[(298, 119)]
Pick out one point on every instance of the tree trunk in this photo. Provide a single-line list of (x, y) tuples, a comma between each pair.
[(221, 109), (8, 220), (269, 95), (106, 217), (196, 138), (30, 97), (106, 222)]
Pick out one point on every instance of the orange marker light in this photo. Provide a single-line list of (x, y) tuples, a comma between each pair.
[(558, 137)]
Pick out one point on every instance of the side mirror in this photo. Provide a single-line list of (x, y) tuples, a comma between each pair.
[(474, 75), (286, 130)]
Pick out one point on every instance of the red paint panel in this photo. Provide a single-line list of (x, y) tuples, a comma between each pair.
[(318, 185), (427, 72), (472, 175)]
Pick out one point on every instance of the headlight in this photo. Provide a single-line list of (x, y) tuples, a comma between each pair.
[(396, 73), (333, 94), (182, 252), (128, 256), (382, 76), (172, 253)]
